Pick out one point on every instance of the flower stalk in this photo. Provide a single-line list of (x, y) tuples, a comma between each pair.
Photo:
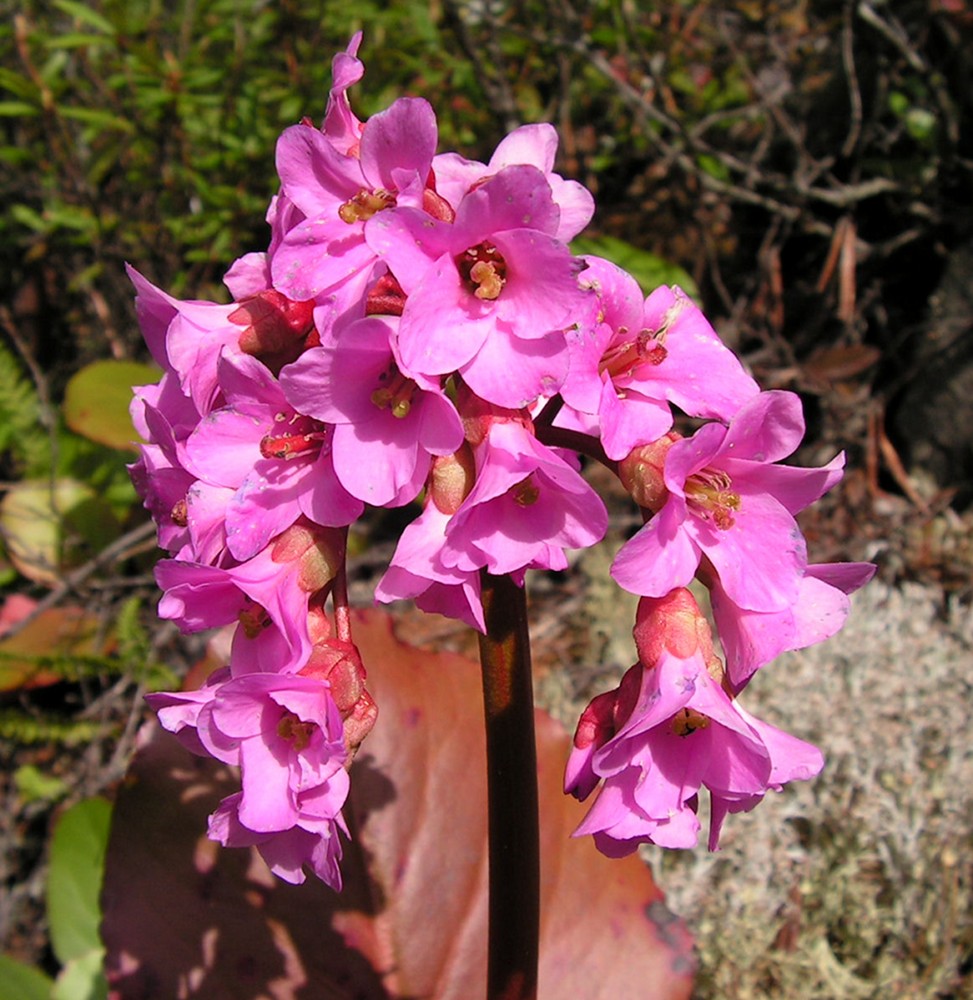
[(514, 881)]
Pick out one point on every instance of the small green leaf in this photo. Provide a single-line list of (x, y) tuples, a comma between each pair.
[(22, 982), (82, 978), (18, 109), (74, 880), (648, 269), (83, 13), (97, 398), (101, 119), (33, 785)]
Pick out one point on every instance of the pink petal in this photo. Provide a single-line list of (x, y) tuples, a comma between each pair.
[(402, 137), (660, 557), (761, 558), (512, 372), (516, 197), (795, 488), (766, 428)]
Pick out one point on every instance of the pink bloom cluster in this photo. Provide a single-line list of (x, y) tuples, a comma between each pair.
[(419, 331)]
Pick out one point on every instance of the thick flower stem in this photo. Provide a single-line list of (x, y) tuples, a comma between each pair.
[(511, 792)]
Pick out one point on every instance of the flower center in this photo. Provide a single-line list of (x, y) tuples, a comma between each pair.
[(394, 392), (483, 270), (300, 436), (626, 357), (365, 204), (179, 514), (688, 721), (253, 619), (709, 496), (294, 731), (526, 492)]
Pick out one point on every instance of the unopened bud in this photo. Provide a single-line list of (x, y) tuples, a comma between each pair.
[(340, 664), (436, 205), (272, 323), (359, 724), (451, 478), (386, 297), (672, 624), (319, 551), (597, 723), (479, 416), (642, 472)]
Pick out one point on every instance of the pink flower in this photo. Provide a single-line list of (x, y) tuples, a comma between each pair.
[(285, 734), (526, 507), (388, 423), (643, 355), (529, 145), (489, 294), (669, 731), (338, 192), (751, 639), (725, 499), (268, 595), (277, 462), (417, 572), (311, 843)]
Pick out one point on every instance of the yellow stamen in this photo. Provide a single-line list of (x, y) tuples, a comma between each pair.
[(688, 721), (292, 729), (365, 204)]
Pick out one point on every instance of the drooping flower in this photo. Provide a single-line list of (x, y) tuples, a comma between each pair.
[(268, 595), (285, 734), (751, 639), (722, 496), (527, 505), (669, 731)]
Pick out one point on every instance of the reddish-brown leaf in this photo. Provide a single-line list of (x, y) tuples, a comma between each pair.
[(186, 918), (56, 632)]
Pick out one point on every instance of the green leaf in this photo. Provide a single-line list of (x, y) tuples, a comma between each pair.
[(648, 269), (33, 785), (74, 880), (97, 398), (83, 13), (100, 118), (82, 978), (17, 84), (50, 527), (18, 109), (22, 982)]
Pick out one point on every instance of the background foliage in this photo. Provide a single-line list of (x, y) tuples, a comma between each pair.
[(809, 166)]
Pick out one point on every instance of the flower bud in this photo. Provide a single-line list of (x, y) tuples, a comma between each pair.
[(451, 478), (479, 415), (318, 550), (340, 664), (672, 624), (642, 472), (359, 724), (272, 323)]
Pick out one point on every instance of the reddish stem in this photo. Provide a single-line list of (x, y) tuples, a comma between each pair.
[(514, 879), (339, 597)]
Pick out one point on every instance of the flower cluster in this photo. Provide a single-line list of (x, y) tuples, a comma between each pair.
[(418, 330)]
